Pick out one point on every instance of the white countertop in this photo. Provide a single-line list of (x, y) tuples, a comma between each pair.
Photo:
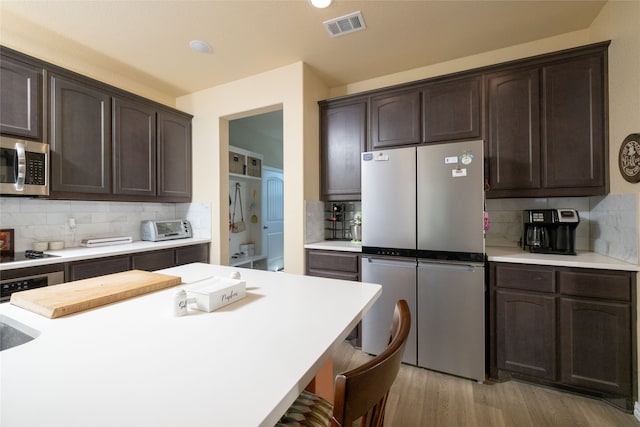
[(81, 252), (512, 254), (582, 259), (133, 363), (335, 245)]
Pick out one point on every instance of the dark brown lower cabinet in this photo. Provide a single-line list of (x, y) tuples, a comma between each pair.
[(194, 253), (336, 265), (572, 328), (85, 269), (526, 333), (154, 260), (596, 345), (147, 261), (333, 264)]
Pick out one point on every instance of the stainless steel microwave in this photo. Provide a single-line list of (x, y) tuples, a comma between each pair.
[(24, 167)]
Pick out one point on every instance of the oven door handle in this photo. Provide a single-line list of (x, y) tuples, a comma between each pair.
[(22, 166)]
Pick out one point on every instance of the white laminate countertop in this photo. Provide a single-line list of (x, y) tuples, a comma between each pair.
[(81, 252), (582, 259), (133, 363), (335, 245)]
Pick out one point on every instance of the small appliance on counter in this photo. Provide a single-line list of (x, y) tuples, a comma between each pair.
[(156, 231), (550, 231)]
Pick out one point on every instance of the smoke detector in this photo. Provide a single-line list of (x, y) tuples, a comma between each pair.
[(345, 24)]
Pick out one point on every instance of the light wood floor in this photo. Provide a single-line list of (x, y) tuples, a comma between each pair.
[(420, 397)]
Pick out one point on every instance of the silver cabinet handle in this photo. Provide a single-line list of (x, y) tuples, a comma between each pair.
[(22, 166)]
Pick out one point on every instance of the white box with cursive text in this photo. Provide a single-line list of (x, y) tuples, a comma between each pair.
[(215, 292)]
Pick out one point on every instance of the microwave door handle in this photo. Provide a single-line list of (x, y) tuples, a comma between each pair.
[(22, 166)]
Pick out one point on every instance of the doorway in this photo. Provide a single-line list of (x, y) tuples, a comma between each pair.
[(263, 134)]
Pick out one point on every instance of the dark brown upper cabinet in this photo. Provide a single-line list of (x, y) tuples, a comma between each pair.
[(544, 121), (80, 138), (107, 145), (546, 127), (514, 129), (343, 136), (451, 110), (396, 119), (574, 152), (20, 98), (134, 147), (174, 156)]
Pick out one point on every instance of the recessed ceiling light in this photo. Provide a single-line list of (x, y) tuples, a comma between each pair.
[(320, 4), (200, 46)]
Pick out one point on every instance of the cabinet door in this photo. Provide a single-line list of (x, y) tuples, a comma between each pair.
[(343, 138), (595, 341), (134, 148), (514, 130), (526, 333), (154, 260), (573, 144), (20, 99), (80, 137), (396, 119), (98, 267), (174, 156), (452, 110)]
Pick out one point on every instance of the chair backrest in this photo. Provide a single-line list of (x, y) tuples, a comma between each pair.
[(362, 392)]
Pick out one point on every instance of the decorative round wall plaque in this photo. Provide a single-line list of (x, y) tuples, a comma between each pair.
[(629, 158)]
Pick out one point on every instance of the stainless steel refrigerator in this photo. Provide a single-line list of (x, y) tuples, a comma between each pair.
[(423, 240)]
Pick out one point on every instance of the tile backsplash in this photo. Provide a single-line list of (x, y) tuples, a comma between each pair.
[(608, 224), (320, 227), (47, 220)]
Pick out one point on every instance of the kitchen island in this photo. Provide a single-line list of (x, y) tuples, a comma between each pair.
[(134, 363)]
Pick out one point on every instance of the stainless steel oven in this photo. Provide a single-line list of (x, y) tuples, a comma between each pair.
[(23, 283), (24, 167)]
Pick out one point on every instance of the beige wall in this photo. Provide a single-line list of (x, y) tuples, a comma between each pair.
[(282, 88)]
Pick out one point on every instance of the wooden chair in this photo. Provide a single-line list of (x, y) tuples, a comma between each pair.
[(360, 394)]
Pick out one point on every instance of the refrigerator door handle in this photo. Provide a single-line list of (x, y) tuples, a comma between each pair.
[(449, 265), (386, 261)]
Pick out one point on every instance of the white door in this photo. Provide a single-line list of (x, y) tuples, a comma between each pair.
[(273, 217)]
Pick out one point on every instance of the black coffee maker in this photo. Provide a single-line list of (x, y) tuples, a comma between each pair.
[(550, 231)]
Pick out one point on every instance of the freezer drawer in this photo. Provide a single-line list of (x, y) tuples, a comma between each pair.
[(451, 318), (398, 280)]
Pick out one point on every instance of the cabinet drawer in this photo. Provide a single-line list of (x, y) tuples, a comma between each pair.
[(596, 284), (151, 261), (195, 253), (331, 260), (334, 275), (98, 267), (525, 277)]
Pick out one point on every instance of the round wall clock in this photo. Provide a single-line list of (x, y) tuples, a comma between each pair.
[(629, 158)]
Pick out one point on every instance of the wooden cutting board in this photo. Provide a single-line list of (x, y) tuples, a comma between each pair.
[(72, 297)]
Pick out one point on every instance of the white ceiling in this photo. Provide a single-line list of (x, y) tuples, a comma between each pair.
[(147, 40)]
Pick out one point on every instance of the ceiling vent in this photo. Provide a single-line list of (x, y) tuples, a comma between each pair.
[(345, 24)]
